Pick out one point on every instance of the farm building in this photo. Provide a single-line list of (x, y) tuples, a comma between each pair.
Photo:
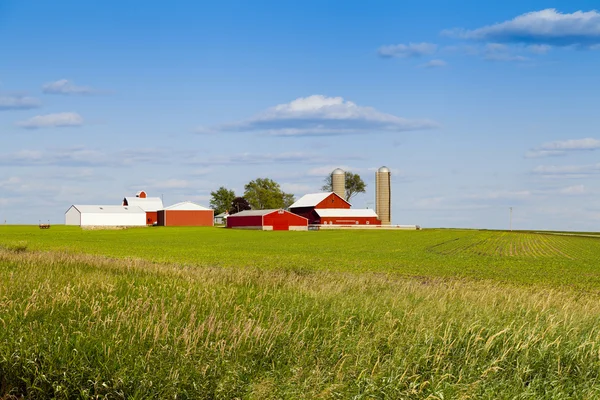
[(221, 219), (185, 214), (345, 216), (307, 204), (105, 216), (330, 208), (151, 205), (267, 220)]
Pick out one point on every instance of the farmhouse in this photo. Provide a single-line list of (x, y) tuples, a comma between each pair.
[(220, 219), (151, 205), (267, 220), (105, 216), (185, 214)]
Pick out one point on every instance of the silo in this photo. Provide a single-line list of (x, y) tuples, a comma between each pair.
[(338, 182), (383, 195)]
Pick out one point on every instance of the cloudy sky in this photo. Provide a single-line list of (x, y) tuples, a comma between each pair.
[(474, 109)]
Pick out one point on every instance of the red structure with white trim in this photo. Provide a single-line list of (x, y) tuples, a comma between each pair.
[(267, 220), (332, 209)]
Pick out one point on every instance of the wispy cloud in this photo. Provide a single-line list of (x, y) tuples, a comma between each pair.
[(66, 87), (576, 190), (549, 27), (258, 158), (319, 115), (434, 64), (567, 171), (18, 103), (501, 52), (562, 147), (66, 119), (407, 50)]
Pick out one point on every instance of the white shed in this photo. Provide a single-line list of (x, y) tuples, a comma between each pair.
[(105, 216)]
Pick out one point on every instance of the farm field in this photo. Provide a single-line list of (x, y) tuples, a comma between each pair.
[(216, 313)]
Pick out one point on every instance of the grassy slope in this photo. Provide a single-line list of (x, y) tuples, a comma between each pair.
[(287, 323)]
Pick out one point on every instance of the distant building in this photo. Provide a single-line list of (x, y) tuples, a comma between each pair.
[(151, 205), (221, 219), (185, 214), (267, 220), (331, 209), (83, 215)]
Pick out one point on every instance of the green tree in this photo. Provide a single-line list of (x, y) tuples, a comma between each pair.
[(221, 199), (264, 193), (354, 185), (239, 204)]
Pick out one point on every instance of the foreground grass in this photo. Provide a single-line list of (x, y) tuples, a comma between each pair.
[(92, 327)]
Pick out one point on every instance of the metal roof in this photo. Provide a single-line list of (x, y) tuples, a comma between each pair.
[(108, 209), (224, 214), (253, 213), (345, 212), (338, 171), (187, 206), (383, 169), (146, 204), (312, 199)]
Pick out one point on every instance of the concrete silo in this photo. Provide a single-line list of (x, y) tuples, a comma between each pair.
[(338, 182), (383, 195)]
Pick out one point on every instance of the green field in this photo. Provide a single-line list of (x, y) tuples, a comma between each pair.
[(217, 313)]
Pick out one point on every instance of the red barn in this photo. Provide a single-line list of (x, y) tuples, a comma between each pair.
[(341, 216), (185, 214), (307, 205), (267, 220)]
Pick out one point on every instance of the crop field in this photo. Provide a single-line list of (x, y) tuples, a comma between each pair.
[(214, 313)]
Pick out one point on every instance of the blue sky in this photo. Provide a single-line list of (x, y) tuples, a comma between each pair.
[(475, 108)]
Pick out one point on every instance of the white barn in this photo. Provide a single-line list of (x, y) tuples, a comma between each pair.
[(105, 216)]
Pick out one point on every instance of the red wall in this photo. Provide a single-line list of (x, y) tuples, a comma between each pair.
[(333, 201), (185, 218), (250, 220), (283, 221), (151, 217), (350, 220)]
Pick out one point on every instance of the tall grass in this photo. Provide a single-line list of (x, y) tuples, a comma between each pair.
[(92, 327)]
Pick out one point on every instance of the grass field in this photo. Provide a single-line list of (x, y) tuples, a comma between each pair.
[(216, 313)]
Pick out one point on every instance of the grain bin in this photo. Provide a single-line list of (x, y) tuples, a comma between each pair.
[(383, 195), (338, 182)]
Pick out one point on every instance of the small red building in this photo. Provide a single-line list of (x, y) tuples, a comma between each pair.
[(307, 205), (185, 214), (267, 220), (341, 216)]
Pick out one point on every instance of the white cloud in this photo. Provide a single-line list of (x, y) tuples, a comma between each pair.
[(407, 50), (562, 147), (544, 153), (501, 52), (567, 171), (297, 188), (64, 86), (502, 195), (547, 26), (434, 64), (573, 190), (539, 48), (574, 144), (18, 103), (65, 119), (322, 116)]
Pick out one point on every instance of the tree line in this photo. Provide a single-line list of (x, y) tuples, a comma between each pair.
[(265, 193)]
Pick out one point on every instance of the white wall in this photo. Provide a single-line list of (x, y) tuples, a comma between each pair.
[(116, 219), (72, 216)]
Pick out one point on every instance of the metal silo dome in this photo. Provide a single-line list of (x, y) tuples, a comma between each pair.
[(338, 182), (383, 169)]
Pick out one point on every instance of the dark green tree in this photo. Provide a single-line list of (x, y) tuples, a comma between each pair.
[(239, 204), (354, 185), (221, 199), (264, 193)]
